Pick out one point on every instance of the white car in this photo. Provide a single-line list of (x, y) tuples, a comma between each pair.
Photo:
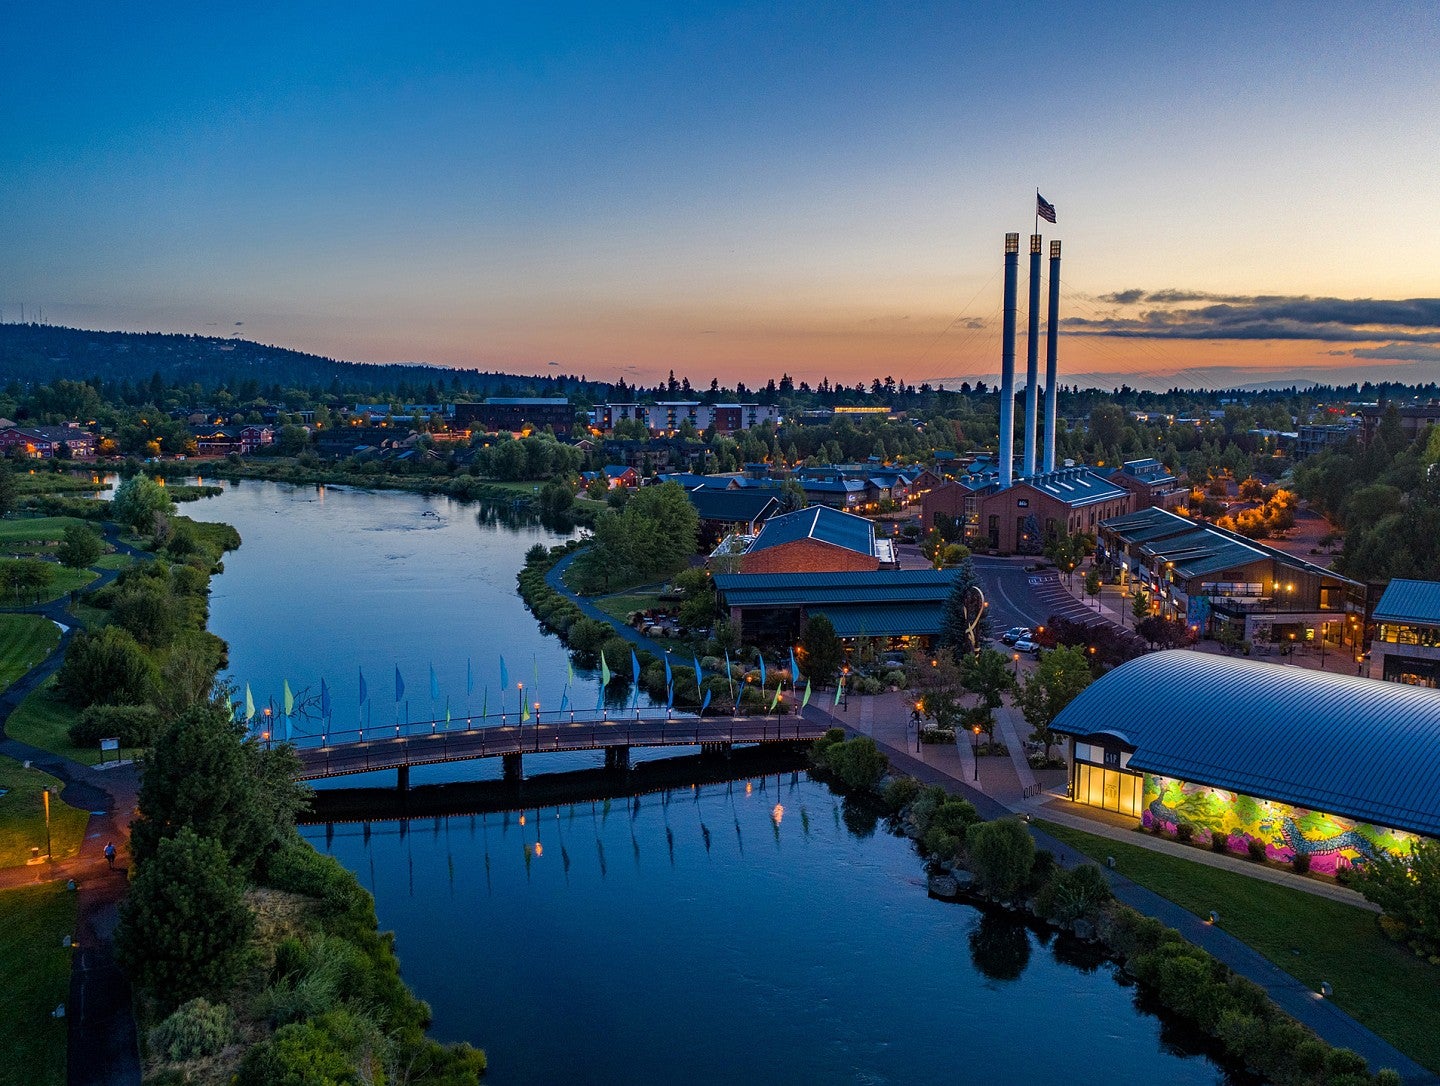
[(1027, 645)]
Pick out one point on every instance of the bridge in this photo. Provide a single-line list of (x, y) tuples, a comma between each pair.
[(400, 746)]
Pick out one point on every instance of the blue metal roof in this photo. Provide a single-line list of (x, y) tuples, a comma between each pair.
[(731, 506), (820, 522), (901, 586), (883, 619), (1339, 744), (1075, 486), (1410, 601)]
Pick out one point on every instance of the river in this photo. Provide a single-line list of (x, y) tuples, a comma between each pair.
[(756, 931)]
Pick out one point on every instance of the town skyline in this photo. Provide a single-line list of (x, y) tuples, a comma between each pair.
[(1242, 199)]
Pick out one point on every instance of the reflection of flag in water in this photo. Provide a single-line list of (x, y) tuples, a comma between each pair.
[(399, 685), (447, 711), (565, 699), (485, 703), (249, 705), (324, 699), (569, 673), (434, 685), (604, 671), (364, 694)]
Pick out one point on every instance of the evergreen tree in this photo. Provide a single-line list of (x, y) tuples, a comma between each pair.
[(955, 632)]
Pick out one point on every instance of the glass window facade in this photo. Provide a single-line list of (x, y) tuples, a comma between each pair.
[(1111, 789)]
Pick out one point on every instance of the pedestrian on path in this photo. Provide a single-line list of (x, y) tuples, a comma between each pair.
[(110, 854)]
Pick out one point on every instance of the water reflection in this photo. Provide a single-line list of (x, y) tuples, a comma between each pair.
[(1000, 946)]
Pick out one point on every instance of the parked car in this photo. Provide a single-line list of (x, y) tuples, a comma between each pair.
[(1027, 645), (1014, 634)]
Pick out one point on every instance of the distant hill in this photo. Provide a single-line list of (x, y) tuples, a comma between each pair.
[(42, 353)]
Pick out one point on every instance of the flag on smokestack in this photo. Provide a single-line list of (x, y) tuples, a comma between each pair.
[(1044, 208)]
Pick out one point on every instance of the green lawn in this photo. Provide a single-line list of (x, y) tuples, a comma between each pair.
[(17, 532), (620, 607), (25, 640), (36, 969), (43, 720), (22, 816), (113, 560), (1312, 938)]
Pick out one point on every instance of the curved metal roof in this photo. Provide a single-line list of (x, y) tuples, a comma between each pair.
[(1339, 744)]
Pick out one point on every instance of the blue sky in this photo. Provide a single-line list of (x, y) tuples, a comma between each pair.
[(727, 189)]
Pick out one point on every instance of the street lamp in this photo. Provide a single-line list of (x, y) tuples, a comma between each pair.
[(845, 688), (975, 750), (915, 718), (49, 855), (1016, 666)]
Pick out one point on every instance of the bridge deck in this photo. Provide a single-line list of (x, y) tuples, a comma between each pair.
[(335, 759)]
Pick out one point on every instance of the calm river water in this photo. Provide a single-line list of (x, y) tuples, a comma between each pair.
[(752, 932)]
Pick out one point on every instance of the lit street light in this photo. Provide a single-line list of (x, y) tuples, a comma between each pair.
[(975, 750)]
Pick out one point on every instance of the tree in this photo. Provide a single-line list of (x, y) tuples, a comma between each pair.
[(965, 624), (26, 576), (857, 762), (149, 610), (138, 500), (987, 675), (80, 547), (105, 668), (1408, 890), (205, 776), (1002, 853), (184, 925), (7, 488), (933, 548), (1066, 551), (1140, 604), (1061, 674), (821, 653), (1092, 583)]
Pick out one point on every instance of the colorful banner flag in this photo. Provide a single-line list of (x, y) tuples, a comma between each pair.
[(699, 678), (634, 669), (324, 699), (364, 693), (289, 698), (524, 711), (249, 705), (399, 685), (434, 685), (839, 689), (534, 659), (794, 671), (447, 712), (776, 700), (670, 698), (807, 694), (762, 668), (706, 703), (504, 677), (729, 675), (669, 677), (485, 704), (604, 671)]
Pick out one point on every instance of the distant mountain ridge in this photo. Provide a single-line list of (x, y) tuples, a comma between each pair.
[(42, 353)]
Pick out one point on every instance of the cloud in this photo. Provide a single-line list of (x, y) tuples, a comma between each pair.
[(1400, 352), (1175, 315), (975, 323)]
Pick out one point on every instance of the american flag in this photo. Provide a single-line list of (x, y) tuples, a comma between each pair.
[(1044, 209)]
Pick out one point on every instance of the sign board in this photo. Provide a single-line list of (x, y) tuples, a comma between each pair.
[(110, 744)]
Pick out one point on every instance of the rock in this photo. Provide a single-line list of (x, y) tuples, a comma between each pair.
[(943, 886), (1085, 930), (963, 879)]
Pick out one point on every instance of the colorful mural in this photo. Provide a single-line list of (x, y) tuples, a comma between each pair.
[(1330, 842)]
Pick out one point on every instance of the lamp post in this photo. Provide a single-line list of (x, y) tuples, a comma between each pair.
[(49, 854), (975, 750), (915, 719), (537, 725), (845, 688), (1015, 666)]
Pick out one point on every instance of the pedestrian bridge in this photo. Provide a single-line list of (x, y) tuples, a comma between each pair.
[(400, 746)]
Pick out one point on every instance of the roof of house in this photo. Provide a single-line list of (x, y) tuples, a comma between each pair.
[(901, 587), (731, 506), (614, 471), (527, 401), (833, 486), (1074, 486), (1148, 471), (820, 522), (1338, 744), (1416, 602)]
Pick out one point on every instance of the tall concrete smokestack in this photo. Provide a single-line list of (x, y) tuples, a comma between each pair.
[(1007, 362), (1052, 365), (1032, 360)]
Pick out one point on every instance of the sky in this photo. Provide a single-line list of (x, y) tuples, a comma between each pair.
[(1245, 192)]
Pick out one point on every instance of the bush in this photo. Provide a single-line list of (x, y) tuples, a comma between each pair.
[(587, 635), (1072, 895), (1184, 832), (133, 725), (1219, 842), (1300, 862), (857, 762), (105, 668), (1255, 849), (900, 792), (1001, 854), (198, 1028)]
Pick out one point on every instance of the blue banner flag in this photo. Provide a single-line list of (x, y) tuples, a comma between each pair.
[(706, 703), (324, 699), (399, 685), (469, 678), (504, 675), (762, 668), (794, 671), (565, 699), (634, 669), (364, 694), (699, 678), (670, 697), (669, 676), (434, 685)]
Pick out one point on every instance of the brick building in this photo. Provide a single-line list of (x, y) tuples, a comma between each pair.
[(814, 540)]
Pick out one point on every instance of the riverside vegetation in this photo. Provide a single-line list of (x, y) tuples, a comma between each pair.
[(998, 861)]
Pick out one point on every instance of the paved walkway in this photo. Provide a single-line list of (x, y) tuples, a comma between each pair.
[(103, 1047)]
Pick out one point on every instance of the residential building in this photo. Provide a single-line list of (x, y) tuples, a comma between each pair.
[(47, 442), (812, 540), (1338, 768), (517, 414), (1311, 439), (1413, 418), (668, 416), (895, 606), (1150, 484), (1214, 579)]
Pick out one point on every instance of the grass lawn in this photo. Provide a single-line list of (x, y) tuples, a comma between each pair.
[(1387, 988), (33, 919), (43, 720), (22, 816), (25, 640), (114, 561), (620, 607), (17, 532)]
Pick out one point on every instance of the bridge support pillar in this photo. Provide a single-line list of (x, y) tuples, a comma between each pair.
[(617, 759), (513, 766), (402, 778), (716, 750)]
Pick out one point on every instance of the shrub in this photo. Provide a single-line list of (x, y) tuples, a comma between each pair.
[(1255, 849), (1001, 854), (857, 762), (587, 635), (298, 1053), (1071, 895), (1300, 862), (133, 725), (106, 668), (196, 1029), (1185, 831), (900, 792), (1219, 842)]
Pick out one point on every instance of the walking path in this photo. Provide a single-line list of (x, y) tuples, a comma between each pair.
[(103, 1047)]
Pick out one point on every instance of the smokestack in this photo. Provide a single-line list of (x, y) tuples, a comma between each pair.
[(1032, 359), (1007, 362), (1052, 365)]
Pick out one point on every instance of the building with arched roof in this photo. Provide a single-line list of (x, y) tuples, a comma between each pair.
[(1337, 767)]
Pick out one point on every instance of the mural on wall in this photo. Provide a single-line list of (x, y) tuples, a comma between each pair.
[(1330, 842)]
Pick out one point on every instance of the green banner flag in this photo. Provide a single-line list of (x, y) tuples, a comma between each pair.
[(524, 712), (249, 705), (779, 686), (807, 694), (447, 710), (289, 699), (570, 674), (839, 689), (604, 670)]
